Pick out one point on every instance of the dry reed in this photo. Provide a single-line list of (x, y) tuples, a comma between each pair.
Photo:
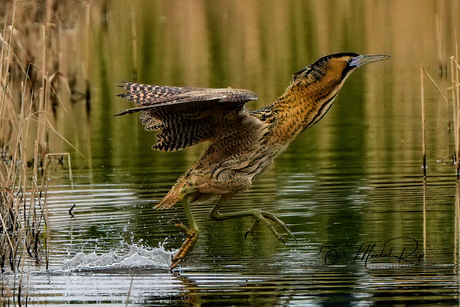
[(454, 90), (28, 97), (21, 205), (423, 72), (423, 122)]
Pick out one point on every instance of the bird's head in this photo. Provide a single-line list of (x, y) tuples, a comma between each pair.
[(335, 67)]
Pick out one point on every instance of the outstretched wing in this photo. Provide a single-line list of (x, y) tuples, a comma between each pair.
[(185, 115)]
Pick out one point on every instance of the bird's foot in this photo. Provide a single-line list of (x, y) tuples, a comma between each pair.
[(186, 247), (264, 216)]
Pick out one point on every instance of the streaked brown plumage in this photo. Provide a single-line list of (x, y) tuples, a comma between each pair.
[(242, 143)]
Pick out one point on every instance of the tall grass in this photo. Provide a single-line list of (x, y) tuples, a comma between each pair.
[(29, 77), (22, 210)]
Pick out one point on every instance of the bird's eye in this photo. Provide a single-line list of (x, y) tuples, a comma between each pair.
[(353, 62)]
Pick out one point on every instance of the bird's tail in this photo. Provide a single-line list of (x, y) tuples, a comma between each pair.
[(173, 196)]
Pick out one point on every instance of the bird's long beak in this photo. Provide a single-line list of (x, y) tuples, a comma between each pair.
[(362, 60)]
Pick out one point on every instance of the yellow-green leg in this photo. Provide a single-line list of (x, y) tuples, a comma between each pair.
[(191, 234), (257, 214)]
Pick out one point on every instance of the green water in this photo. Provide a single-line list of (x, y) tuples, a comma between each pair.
[(369, 229)]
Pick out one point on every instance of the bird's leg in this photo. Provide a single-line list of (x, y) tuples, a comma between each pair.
[(257, 214), (252, 228), (191, 234)]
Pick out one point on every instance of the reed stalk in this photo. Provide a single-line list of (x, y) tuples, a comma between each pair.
[(456, 113), (442, 66), (423, 72), (422, 91)]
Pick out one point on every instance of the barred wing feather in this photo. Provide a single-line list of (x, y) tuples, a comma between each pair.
[(185, 115)]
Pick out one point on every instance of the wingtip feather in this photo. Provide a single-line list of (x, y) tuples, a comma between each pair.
[(122, 112)]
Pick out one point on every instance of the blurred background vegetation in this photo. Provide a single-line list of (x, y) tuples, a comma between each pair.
[(84, 48)]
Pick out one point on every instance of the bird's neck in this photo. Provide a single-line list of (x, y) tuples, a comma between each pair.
[(301, 106)]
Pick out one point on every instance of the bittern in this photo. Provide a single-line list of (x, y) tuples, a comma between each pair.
[(243, 143)]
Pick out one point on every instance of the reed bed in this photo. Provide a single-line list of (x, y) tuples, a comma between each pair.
[(34, 75), (23, 123), (30, 81)]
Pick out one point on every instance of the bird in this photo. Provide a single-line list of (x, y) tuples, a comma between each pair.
[(242, 143)]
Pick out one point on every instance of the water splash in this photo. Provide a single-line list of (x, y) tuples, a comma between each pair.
[(136, 258)]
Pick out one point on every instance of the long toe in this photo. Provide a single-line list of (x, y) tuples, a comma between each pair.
[(264, 216), (184, 229), (175, 263), (259, 215), (273, 218), (185, 248), (252, 228)]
